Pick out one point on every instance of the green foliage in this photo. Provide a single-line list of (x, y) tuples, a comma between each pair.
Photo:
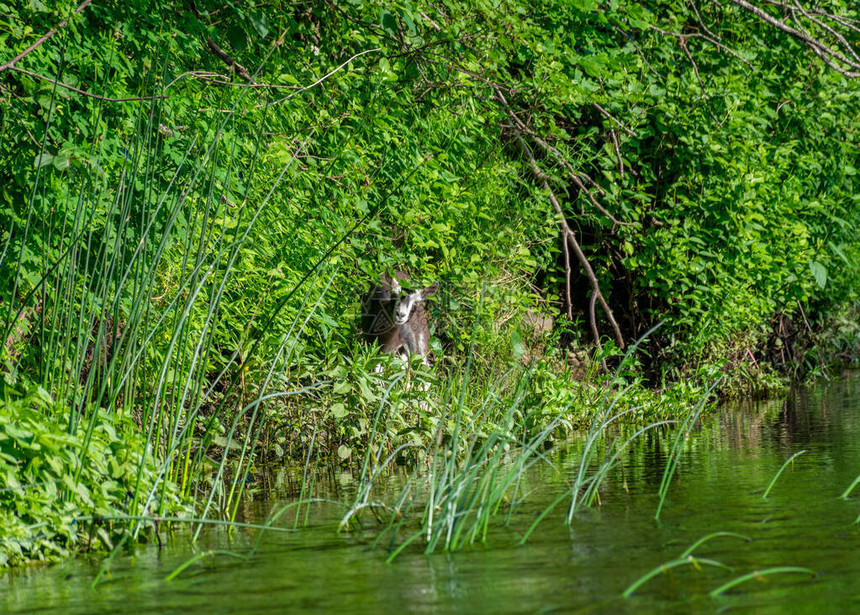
[(52, 478), (724, 231)]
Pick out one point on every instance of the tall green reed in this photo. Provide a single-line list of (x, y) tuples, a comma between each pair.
[(111, 332), (681, 436)]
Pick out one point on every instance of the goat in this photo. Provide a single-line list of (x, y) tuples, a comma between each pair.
[(395, 320)]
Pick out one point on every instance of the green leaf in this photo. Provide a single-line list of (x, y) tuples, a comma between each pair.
[(61, 162), (238, 38), (18, 434), (338, 411), (342, 387), (388, 22), (260, 23), (819, 273), (43, 160), (223, 442), (592, 65), (517, 344)]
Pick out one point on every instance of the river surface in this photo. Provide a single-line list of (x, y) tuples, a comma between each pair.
[(726, 465)]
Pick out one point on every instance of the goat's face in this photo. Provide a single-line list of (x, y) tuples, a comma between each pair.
[(387, 307), (406, 305), (384, 302)]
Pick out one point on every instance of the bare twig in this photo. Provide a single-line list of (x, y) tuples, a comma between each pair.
[(803, 314), (750, 355), (83, 92), (638, 50), (844, 21), (831, 55), (197, 74), (228, 60), (430, 21), (574, 175), (705, 37), (321, 79), (597, 187), (219, 79), (567, 274), (592, 319), (831, 64), (11, 63), (612, 117), (702, 23), (683, 44), (832, 31), (617, 153)]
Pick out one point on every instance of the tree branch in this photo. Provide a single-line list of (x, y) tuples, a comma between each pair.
[(229, 61), (612, 117), (543, 181), (705, 37), (832, 31), (321, 79), (82, 92), (11, 63), (832, 56), (572, 173), (219, 79), (567, 274), (617, 153)]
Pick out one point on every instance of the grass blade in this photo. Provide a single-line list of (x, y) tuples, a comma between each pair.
[(681, 561), (705, 539), (200, 556), (776, 476), (760, 574), (848, 491)]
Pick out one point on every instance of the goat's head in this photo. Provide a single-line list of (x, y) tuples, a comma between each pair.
[(394, 318), (408, 302)]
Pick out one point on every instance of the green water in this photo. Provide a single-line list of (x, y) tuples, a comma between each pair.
[(724, 469)]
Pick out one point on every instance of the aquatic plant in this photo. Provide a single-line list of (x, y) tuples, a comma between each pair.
[(850, 488), (779, 472), (473, 470), (688, 559), (683, 432), (684, 559), (482, 453), (759, 575), (212, 553)]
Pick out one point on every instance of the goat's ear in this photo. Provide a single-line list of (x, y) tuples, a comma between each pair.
[(393, 282), (430, 290)]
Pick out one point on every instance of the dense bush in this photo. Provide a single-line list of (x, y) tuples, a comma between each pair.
[(57, 484)]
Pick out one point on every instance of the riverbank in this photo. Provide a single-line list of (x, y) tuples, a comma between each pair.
[(96, 489), (715, 510)]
